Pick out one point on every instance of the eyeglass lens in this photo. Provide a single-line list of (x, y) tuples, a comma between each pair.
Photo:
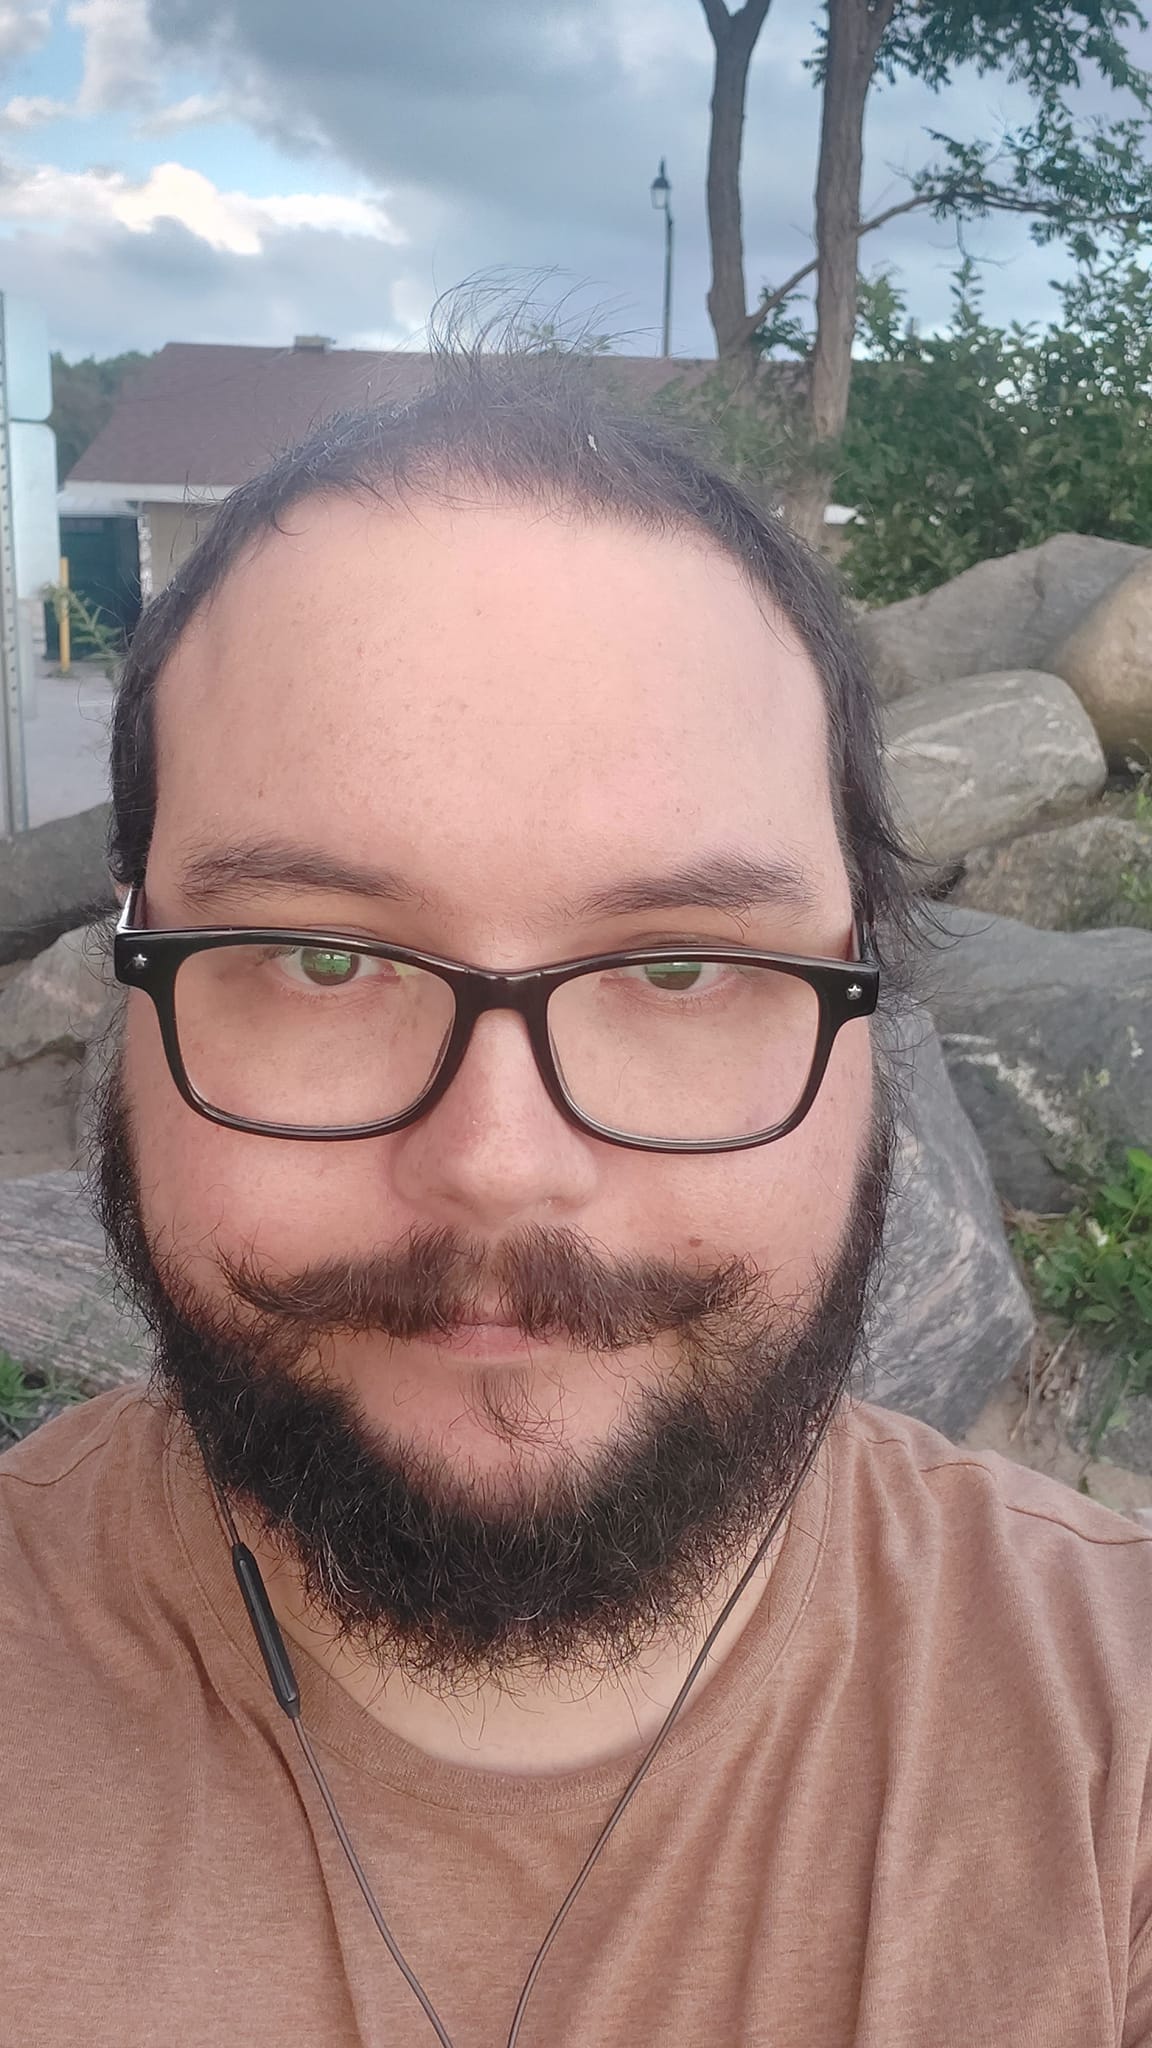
[(325, 1036)]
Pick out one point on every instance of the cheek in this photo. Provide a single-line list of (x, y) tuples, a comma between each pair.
[(207, 1190), (783, 1205)]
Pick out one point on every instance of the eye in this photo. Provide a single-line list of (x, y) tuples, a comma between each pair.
[(677, 977), (331, 966)]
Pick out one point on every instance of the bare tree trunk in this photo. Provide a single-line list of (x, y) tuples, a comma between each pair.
[(734, 36), (855, 31)]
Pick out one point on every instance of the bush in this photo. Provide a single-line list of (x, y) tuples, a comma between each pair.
[(983, 440)]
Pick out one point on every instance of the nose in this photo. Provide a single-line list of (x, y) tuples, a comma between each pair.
[(495, 1150)]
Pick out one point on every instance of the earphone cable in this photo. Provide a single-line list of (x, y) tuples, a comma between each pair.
[(287, 1693)]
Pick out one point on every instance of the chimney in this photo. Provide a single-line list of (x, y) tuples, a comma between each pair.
[(317, 344)]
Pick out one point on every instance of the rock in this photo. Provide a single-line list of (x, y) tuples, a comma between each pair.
[(58, 1305), (1107, 660), (986, 757), (950, 1323), (59, 1002), (51, 880), (1007, 613), (1048, 1040), (1069, 878), (952, 1318)]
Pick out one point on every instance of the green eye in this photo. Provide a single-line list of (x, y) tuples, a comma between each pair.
[(674, 974), (328, 967)]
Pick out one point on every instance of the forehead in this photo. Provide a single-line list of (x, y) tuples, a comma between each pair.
[(487, 697)]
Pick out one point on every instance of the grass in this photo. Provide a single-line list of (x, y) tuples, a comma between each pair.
[(24, 1390), (1093, 1270)]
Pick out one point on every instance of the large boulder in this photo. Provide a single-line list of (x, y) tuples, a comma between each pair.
[(1048, 1040), (51, 880), (950, 1323), (59, 1003), (1070, 878), (1007, 613), (59, 1311), (1107, 660), (987, 757), (952, 1318)]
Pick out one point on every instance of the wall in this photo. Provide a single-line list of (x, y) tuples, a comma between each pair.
[(175, 529)]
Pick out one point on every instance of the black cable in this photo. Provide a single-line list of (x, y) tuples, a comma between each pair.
[(287, 1692)]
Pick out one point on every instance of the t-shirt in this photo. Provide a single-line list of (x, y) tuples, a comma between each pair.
[(909, 1811)]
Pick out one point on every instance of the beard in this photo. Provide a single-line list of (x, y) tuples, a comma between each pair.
[(585, 1568)]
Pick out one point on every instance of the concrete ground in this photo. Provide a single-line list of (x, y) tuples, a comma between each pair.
[(66, 740)]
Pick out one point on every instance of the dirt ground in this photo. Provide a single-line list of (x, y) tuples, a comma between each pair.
[(1025, 1420)]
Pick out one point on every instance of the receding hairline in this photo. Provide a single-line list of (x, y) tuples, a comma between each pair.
[(433, 485)]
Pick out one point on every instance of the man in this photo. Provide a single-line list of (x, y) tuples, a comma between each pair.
[(498, 1144)]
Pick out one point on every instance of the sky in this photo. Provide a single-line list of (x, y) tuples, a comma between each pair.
[(250, 170)]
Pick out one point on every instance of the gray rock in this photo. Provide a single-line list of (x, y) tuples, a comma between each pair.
[(51, 880), (952, 1319), (985, 758), (59, 1002), (1007, 613), (1048, 1040), (1107, 660), (59, 1310), (1070, 878)]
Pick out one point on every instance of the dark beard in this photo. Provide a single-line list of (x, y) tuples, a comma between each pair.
[(614, 1552)]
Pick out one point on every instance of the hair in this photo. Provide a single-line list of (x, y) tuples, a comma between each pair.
[(543, 428)]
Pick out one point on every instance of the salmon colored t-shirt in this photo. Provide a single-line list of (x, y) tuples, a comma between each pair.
[(910, 1811)]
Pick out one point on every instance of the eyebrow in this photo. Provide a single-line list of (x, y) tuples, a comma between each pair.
[(718, 881)]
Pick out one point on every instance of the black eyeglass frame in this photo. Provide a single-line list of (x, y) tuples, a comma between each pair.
[(150, 961)]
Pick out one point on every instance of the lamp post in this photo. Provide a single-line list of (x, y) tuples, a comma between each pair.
[(662, 201)]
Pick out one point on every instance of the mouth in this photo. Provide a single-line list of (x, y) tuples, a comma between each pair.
[(481, 1338)]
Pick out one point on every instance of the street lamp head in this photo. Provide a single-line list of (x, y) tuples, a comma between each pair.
[(661, 188)]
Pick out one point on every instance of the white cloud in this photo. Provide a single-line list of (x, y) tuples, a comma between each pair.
[(25, 112), (24, 25), (233, 222), (196, 111), (122, 59)]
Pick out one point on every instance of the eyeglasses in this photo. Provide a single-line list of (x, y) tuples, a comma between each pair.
[(316, 1035)]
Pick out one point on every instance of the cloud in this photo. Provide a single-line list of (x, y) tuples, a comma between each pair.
[(229, 221), (104, 287), (123, 62), (198, 110), (24, 25), (24, 112)]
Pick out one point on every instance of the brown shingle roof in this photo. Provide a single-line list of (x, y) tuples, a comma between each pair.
[(201, 414)]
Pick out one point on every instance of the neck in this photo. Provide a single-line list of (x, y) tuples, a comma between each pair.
[(563, 1721)]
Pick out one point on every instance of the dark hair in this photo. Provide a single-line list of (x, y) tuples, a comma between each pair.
[(544, 429)]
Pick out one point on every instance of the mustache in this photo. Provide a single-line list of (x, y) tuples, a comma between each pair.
[(548, 1283)]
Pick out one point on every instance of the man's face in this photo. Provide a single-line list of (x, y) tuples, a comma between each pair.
[(509, 711)]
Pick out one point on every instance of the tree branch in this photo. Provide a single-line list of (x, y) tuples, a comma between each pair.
[(718, 18), (777, 297), (747, 21), (997, 196)]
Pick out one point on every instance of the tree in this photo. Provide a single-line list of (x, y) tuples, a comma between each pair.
[(83, 395), (1073, 180)]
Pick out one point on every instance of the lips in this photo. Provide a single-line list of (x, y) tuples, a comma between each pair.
[(486, 1339)]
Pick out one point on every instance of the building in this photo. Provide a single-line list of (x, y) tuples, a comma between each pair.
[(200, 418)]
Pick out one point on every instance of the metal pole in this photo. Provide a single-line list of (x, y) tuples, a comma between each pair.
[(668, 280), (14, 791), (64, 620)]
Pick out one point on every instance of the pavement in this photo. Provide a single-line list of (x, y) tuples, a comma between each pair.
[(66, 725)]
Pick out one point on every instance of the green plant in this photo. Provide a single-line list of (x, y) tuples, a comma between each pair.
[(1093, 1268), (24, 1391), (981, 440), (91, 634), (1137, 890)]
